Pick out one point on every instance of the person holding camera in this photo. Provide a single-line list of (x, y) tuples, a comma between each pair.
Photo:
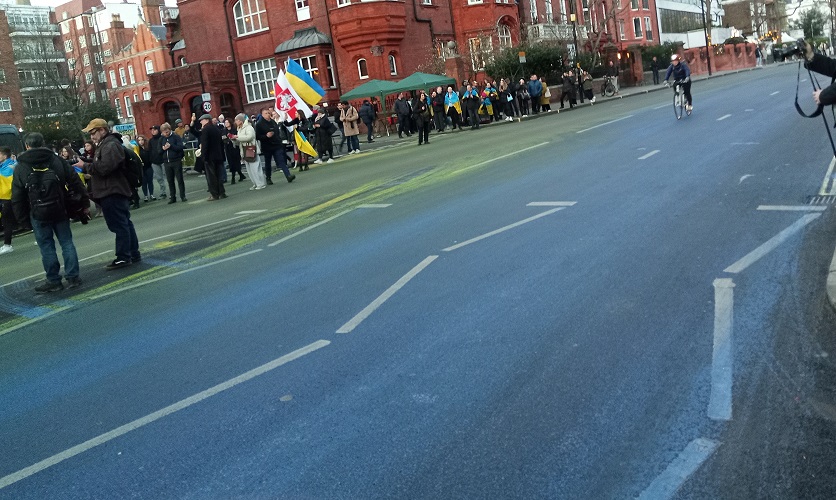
[(823, 65), (681, 72)]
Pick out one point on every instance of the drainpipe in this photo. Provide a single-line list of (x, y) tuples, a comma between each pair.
[(234, 59), (420, 20), (335, 67)]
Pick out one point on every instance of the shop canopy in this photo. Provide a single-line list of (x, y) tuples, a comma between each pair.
[(424, 81)]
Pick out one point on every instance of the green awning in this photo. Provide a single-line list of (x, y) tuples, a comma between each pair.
[(372, 88), (424, 81)]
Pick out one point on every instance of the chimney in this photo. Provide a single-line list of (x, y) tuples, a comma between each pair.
[(151, 11)]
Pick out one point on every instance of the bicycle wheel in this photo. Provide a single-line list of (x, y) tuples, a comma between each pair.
[(677, 105), (609, 89)]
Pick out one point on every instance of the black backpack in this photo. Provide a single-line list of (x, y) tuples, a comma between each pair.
[(46, 195), (133, 168)]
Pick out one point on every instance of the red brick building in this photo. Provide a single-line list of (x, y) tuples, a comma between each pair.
[(232, 49), (11, 100)]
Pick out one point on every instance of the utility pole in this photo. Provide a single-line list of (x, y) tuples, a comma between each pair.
[(707, 36)]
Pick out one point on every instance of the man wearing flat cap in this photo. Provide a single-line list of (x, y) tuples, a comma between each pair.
[(110, 188), (180, 128), (212, 152)]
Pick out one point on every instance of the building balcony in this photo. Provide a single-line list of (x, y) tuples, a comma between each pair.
[(363, 24), (24, 30), (37, 56), (561, 31)]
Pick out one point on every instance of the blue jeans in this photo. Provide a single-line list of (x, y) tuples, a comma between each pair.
[(281, 162), (117, 215), (44, 232), (353, 143)]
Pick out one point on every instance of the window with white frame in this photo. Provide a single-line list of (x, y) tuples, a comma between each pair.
[(648, 29), (621, 31), (637, 27), (149, 66), (548, 12), (122, 78), (118, 105), (79, 22), (329, 73), (634, 4), (473, 2), (645, 4), (104, 36), (5, 104), (308, 63), (131, 75), (88, 78), (534, 17), (362, 69), (343, 3), (102, 77), (68, 45), (146, 95), (427, 2), (617, 4), (71, 63), (477, 55), (91, 96), (113, 83), (106, 53), (303, 10), (129, 110), (136, 97), (504, 36), (250, 16), (94, 39), (393, 65), (258, 79), (182, 60), (2, 75), (89, 21), (104, 95), (97, 57), (82, 42), (86, 59)]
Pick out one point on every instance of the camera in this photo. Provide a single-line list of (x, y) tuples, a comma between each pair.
[(797, 50)]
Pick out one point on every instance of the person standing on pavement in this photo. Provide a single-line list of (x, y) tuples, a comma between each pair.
[(155, 146), (612, 73), (471, 106), (172, 147), (350, 117), (654, 68), (112, 191), (233, 155), (35, 166), (422, 115), (7, 170), (403, 110), (453, 107), (437, 103), (535, 90), (568, 89), (212, 152), (245, 138), (147, 171), (267, 132), (180, 129), (586, 85), (758, 57), (323, 131), (523, 98), (368, 115)]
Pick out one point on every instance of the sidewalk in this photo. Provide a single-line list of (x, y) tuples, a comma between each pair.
[(393, 140)]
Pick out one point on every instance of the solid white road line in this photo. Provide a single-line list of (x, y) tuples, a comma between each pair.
[(302, 231), (502, 229), (723, 118), (770, 245), (662, 106), (776, 92), (369, 309), (648, 155), (793, 208), (552, 204), (375, 205), (165, 236), (515, 153), (602, 124), (34, 320), (722, 361), (172, 275), (674, 476), (247, 212), (168, 410), (749, 110), (828, 178)]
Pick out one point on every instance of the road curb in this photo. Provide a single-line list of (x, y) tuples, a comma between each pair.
[(831, 282)]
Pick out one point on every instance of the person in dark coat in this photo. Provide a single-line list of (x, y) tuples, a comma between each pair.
[(437, 103), (421, 114), (323, 130), (368, 115), (233, 153), (212, 152), (471, 102), (404, 111), (654, 68), (147, 170), (268, 133), (568, 89)]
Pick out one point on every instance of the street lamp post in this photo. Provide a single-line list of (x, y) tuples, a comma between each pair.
[(575, 62)]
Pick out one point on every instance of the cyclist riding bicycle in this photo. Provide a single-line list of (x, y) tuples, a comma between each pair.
[(681, 72)]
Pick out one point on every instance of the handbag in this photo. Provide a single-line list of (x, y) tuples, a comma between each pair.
[(250, 153)]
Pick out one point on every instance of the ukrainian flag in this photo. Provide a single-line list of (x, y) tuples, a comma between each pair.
[(305, 86), (303, 144), (6, 172), (80, 173), (452, 100)]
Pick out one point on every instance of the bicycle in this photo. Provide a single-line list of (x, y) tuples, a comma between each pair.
[(608, 87), (680, 103)]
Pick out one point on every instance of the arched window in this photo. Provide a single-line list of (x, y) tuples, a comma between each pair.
[(248, 16), (393, 66), (362, 69), (182, 60), (504, 36)]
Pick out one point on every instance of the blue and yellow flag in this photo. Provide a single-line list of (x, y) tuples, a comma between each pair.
[(80, 173), (6, 172), (304, 85), (452, 99), (303, 144)]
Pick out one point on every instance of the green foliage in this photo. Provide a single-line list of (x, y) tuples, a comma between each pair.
[(663, 53), (812, 22), (542, 59), (734, 40), (67, 124)]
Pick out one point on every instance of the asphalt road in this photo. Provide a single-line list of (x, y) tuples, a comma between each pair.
[(586, 305)]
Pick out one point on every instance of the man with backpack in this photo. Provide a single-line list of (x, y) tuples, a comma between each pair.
[(111, 190), (40, 188)]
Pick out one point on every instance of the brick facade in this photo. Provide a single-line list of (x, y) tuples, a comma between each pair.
[(9, 81)]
